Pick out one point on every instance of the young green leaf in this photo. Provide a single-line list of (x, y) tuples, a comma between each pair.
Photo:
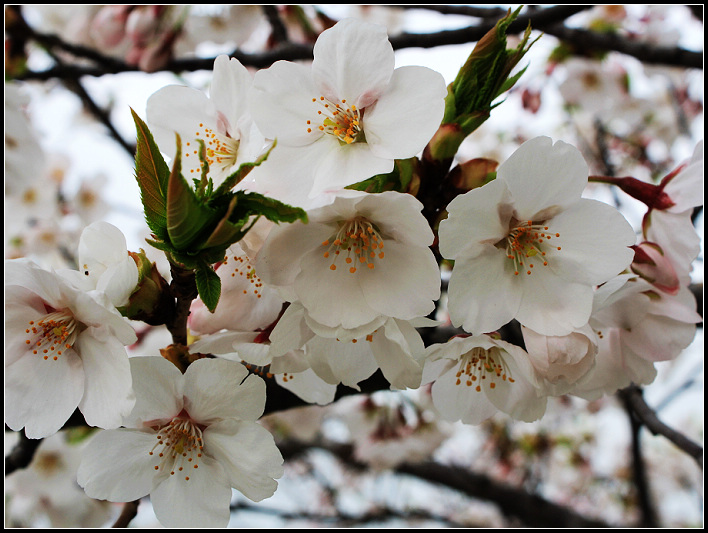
[(152, 174), (208, 285)]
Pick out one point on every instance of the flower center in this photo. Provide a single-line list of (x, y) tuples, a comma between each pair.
[(179, 447), (242, 267), (526, 246), (358, 241), (482, 366), (339, 119), (221, 148), (54, 333)]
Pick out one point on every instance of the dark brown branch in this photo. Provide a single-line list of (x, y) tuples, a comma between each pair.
[(639, 473), (633, 397), (130, 511), (184, 289), (21, 454)]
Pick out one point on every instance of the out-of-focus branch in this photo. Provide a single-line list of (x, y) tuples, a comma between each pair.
[(639, 474), (633, 398), (21, 454), (130, 511), (531, 509)]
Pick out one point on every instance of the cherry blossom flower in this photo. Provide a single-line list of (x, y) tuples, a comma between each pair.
[(63, 348), (475, 377), (636, 326), (349, 356), (527, 246), (47, 488), (246, 304), (221, 120), (560, 361), (190, 438), (362, 257), (348, 116), (105, 264), (670, 226), (290, 370)]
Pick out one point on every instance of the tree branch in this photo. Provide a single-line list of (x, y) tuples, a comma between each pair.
[(634, 399), (533, 510)]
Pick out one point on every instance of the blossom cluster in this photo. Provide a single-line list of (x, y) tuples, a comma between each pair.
[(331, 298)]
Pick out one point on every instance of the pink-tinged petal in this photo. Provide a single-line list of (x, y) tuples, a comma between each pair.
[(407, 115), (459, 402), (308, 386), (116, 465), (279, 259), (544, 178), (248, 455), (677, 236), (551, 305), (158, 386), (345, 362), (472, 224), (40, 395), (202, 501), (281, 104), (615, 368), (216, 389), (658, 338), (394, 350), (594, 239), (401, 296), (354, 61), (229, 89), (334, 297), (108, 394), (483, 294)]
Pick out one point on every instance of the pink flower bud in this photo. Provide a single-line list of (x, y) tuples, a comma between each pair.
[(651, 264)]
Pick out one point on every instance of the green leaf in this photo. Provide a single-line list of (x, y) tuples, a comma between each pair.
[(251, 203), (208, 285), (152, 174), (187, 217)]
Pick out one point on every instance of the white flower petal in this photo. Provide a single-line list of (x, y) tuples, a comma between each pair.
[(407, 115), (158, 386), (353, 60), (116, 465), (308, 386), (40, 395), (405, 296), (108, 394), (202, 501), (471, 224), (544, 177), (281, 103), (216, 389), (248, 454), (594, 241), (482, 295)]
